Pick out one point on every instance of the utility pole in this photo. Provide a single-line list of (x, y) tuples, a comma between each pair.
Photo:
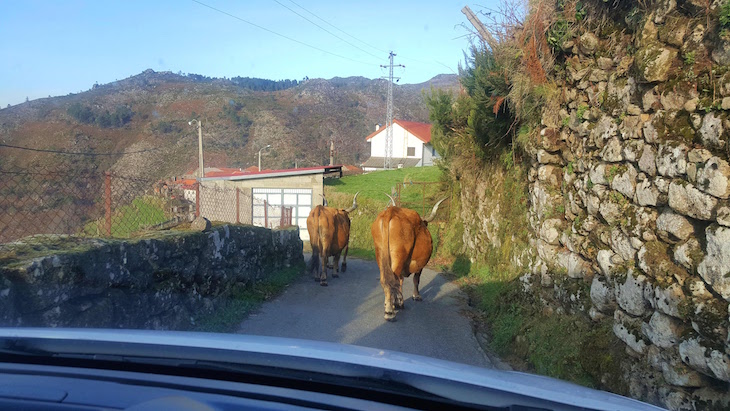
[(332, 152), (201, 170), (389, 115), (483, 33), (263, 148)]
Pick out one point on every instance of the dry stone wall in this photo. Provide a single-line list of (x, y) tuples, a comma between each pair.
[(629, 196), (163, 283)]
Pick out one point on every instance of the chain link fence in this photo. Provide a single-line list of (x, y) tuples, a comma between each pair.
[(83, 203), (236, 205), (97, 204)]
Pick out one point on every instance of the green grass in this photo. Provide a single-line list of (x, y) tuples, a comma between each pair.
[(130, 219), (564, 346), (245, 299), (372, 199), (376, 184)]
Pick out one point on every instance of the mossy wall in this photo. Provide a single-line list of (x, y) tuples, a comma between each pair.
[(163, 282), (643, 234), (628, 205)]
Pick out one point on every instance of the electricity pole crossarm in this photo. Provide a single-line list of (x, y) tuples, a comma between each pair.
[(389, 115)]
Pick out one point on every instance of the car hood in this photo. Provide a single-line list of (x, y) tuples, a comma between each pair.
[(438, 377)]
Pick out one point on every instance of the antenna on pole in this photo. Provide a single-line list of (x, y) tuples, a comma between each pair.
[(389, 115)]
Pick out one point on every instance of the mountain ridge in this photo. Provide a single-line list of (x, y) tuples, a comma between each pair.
[(298, 120)]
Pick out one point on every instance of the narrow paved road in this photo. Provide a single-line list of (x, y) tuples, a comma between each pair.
[(350, 311)]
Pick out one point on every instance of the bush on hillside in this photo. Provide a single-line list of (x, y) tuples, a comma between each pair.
[(104, 119)]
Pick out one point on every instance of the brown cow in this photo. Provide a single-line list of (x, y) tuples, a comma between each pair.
[(329, 235), (402, 247)]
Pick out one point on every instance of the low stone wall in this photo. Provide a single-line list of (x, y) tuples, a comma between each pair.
[(165, 282)]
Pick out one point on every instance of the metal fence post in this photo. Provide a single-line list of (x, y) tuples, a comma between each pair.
[(197, 199), (423, 199), (266, 214), (238, 205), (108, 204)]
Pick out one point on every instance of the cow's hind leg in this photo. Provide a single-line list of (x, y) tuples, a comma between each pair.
[(388, 291), (313, 265), (323, 273), (336, 261), (416, 281), (344, 259), (399, 304)]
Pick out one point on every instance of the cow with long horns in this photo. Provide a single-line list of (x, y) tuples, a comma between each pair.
[(329, 235), (403, 247)]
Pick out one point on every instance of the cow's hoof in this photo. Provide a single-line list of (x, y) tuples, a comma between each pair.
[(343, 267), (390, 317), (417, 298), (330, 266), (323, 283), (335, 276)]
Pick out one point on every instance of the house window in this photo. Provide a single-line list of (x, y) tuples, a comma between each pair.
[(411, 151)]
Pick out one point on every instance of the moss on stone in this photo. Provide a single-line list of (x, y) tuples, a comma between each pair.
[(662, 270), (610, 103), (614, 170)]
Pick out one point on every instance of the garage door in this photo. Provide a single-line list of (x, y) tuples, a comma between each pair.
[(299, 199)]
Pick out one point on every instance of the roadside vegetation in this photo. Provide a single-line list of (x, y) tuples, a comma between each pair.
[(245, 299), (486, 136)]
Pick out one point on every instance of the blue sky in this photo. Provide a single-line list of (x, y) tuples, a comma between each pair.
[(60, 47)]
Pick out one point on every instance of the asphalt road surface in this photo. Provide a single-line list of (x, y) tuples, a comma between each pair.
[(350, 311)]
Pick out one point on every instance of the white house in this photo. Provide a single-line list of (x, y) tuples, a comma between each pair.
[(411, 146)]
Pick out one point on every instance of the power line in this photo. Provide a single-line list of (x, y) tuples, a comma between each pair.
[(324, 29), (434, 62), (336, 28), (78, 153), (282, 35)]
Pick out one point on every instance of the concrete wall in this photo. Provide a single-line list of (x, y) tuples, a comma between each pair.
[(223, 209), (429, 154)]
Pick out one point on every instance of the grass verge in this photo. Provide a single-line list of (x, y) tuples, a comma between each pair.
[(245, 299), (521, 330)]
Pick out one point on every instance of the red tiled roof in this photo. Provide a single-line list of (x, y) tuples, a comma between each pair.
[(218, 171), (271, 173), (422, 131)]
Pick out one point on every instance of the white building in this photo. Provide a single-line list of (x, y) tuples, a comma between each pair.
[(258, 197), (411, 146)]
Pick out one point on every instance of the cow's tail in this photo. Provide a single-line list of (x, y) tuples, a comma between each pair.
[(385, 259)]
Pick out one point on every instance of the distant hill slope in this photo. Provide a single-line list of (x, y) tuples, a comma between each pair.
[(148, 114)]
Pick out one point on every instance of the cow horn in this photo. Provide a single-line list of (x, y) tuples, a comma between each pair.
[(433, 212), (392, 202), (354, 204), (324, 199)]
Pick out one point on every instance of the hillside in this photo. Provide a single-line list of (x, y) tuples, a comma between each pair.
[(148, 114)]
